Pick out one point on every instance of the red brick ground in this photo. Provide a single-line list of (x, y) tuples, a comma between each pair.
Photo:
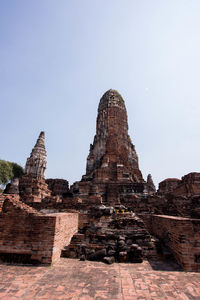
[(73, 279)]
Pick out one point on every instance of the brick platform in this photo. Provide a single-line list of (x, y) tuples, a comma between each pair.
[(73, 279)]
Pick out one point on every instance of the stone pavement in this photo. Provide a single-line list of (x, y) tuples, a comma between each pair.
[(77, 280)]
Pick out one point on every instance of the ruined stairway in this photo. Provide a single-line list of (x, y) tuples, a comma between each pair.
[(110, 237)]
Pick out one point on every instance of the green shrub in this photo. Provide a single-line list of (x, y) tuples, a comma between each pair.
[(9, 170)]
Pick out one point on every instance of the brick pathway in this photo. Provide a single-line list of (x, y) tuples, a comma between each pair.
[(73, 279)]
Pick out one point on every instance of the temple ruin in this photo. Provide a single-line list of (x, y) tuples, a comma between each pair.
[(36, 163), (112, 164), (112, 214)]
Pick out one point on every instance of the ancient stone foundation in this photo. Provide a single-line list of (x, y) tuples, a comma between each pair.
[(110, 235)]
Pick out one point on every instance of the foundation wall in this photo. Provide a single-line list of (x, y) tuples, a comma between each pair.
[(182, 235)]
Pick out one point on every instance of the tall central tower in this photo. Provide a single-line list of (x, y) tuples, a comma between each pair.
[(112, 164), (112, 155)]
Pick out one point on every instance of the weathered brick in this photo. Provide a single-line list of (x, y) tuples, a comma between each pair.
[(25, 230)]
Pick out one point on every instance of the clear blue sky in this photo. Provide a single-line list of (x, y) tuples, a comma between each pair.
[(57, 58)]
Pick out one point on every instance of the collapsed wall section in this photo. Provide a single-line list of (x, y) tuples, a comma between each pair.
[(29, 236)]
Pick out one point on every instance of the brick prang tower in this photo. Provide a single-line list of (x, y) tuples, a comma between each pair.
[(36, 163), (112, 163), (32, 185), (112, 149)]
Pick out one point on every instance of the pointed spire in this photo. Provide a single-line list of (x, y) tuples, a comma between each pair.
[(36, 163), (39, 148), (150, 184)]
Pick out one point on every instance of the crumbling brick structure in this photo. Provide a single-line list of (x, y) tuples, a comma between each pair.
[(168, 185), (182, 235), (32, 185), (33, 188), (58, 186), (113, 199), (110, 235), (112, 163), (188, 185), (27, 235)]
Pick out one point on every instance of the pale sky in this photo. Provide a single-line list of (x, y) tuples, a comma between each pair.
[(57, 58)]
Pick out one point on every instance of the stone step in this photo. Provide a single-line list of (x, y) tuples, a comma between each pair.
[(99, 252)]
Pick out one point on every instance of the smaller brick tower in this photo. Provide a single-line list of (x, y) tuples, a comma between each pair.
[(36, 163), (32, 186), (150, 185)]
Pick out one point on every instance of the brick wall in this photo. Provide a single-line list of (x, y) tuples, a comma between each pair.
[(3, 197), (168, 185), (24, 231), (1, 201), (66, 227), (182, 235), (147, 219), (57, 186)]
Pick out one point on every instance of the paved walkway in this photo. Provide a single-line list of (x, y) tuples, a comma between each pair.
[(73, 279)]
